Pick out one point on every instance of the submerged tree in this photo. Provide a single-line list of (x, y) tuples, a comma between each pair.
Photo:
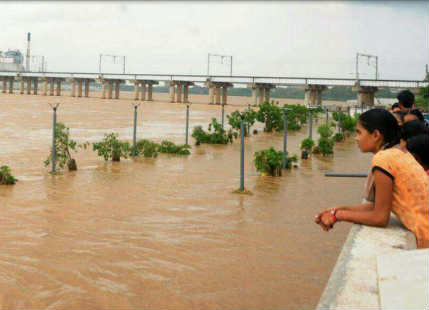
[(63, 148), (6, 176)]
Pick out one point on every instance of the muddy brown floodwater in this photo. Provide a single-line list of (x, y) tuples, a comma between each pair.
[(164, 233)]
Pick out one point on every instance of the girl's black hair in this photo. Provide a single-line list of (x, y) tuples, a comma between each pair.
[(384, 122), (412, 128), (419, 145)]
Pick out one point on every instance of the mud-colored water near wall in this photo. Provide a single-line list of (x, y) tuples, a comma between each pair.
[(164, 233)]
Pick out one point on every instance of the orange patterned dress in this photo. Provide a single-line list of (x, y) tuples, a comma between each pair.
[(410, 201)]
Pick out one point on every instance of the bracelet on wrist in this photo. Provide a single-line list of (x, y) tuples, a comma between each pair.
[(333, 215)]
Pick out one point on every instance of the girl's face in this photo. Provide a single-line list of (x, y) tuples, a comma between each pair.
[(367, 142)]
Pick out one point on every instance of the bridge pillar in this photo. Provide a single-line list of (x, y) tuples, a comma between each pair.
[(103, 89), (28, 86), (255, 96), (4, 85), (79, 88), (179, 93), (260, 92), (143, 91), (22, 87), (45, 87), (365, 94), (217, 93), (73, 88), (186, 93), (172, 91), (267, 94), (261, 95), (11, 80), (136, 90), (36, 86), (211, 94), (51, 87), (149, 92), (58, 88), (118, 83), (110, 90), (313, 94), (86, 88), (224, 94)]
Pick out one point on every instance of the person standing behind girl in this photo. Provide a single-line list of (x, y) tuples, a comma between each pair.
[(400, 183), (418, 146)]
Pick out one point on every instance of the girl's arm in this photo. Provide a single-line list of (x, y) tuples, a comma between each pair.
[(361, 207), (379, 214)]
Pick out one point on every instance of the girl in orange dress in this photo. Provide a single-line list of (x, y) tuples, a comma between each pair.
[(397, 182)]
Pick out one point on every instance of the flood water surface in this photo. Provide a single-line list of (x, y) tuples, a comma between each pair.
[(163, 233)]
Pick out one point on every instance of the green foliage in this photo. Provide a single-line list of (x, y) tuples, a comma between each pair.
[(326, 143), (338, 137), (307, 145), (63, 147), (326, 146), (325, 131), (150, 149), (146, 148), (234, 120), (422, 97), (112, 148), (271, 115), (6, 176), (218, 136), (169, 147), (335, 115), (348, 122), (270, 161)]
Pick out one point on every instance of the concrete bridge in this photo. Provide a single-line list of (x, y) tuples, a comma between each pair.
[(179, 85)]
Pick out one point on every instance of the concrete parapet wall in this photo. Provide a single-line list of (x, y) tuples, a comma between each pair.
[(353, 282)]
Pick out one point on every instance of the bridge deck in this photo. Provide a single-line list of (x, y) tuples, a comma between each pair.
[(237, 79)]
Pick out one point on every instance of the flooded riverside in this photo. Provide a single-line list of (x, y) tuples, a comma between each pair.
[(163, 233)]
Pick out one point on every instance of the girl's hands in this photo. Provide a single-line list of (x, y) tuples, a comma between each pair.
[(324, 219)]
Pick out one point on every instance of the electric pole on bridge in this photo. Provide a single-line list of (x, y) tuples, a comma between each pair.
[(368, 58), (222, 57), (114, 57)]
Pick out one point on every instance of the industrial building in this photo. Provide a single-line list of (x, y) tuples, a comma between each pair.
[(12, 60)]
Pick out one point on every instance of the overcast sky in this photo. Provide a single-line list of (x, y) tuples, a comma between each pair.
[(307, 38)]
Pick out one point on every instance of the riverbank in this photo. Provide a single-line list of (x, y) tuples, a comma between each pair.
[(378, 268)]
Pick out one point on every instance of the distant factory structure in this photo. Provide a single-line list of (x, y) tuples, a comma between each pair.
[(12, 60)]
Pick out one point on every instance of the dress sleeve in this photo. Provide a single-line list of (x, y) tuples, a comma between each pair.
[(383, 161)]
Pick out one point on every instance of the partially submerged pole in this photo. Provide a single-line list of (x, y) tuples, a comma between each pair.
[(54, 151), (223, 114), (187, 124), (339, 121), (242, 156), (135, 131), (285, 138), (54, 125)]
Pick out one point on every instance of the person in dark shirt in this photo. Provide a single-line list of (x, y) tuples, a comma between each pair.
[(406, 100)]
